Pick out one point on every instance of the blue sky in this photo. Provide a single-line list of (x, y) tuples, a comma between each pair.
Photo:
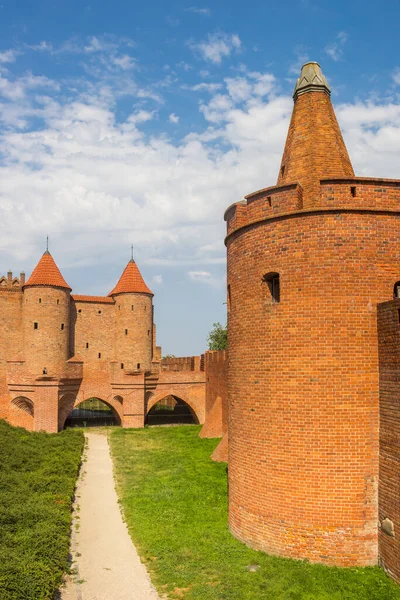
[(126, 122)]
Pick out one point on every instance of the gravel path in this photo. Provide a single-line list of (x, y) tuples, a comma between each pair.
[(107, 566)]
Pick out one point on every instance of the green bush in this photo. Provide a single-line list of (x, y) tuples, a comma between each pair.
[(38, 472)]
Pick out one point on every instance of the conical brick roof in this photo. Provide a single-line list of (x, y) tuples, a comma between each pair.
[(314, 147), (131, 281), (47, 273)]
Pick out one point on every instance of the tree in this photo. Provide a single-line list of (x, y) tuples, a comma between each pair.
[(218, 337)]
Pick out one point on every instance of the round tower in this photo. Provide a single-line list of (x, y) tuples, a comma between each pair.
[(308, 261), (134, 320), (46, 318)]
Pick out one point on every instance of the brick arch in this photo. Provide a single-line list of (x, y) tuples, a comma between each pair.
[(22, 412), (152, 401), (113, 403), (65, 405)]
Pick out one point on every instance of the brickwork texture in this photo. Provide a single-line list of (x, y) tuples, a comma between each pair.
[(308, 262)]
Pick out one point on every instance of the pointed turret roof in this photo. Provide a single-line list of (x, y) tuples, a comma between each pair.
[(47, 273), (131, 281), (314, 147)]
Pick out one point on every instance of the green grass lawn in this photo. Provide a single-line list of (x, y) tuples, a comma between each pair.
[(175, 503), (37, 480)]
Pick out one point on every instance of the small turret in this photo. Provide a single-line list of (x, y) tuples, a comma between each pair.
[(134, 320), (46, 318)]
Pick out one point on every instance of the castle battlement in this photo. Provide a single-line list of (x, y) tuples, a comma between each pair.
[(354, 194)]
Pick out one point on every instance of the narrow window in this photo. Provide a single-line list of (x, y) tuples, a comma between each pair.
[(62, 326), (99, 312), (122, 365), (138, 366), (396, 290), (36, 326), (353, 191), (228, 297), (282, 170), (40, 301), (148, 332), (99, 354), (126, 332), (87, 344), (272, 280), (132, 307), (269, 200), (79, 310), (398, 313), (58, 302)]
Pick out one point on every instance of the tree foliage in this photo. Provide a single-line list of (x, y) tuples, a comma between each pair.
[(218, 337)]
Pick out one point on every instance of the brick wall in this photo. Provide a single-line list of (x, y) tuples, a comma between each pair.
[(93, 331), (389, 436), (216, 422), (11, 343), (182, 363)]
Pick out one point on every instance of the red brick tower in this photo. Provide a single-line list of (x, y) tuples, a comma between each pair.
[(46, 319), (308, 261), (134, 320)]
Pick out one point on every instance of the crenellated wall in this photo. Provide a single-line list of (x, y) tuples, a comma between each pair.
[(216, 423)]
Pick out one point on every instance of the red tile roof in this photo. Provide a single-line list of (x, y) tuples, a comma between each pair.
[(96, 299), (46, 272), (131, 281)]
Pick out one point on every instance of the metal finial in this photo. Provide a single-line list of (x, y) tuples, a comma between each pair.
[(132, 252), (47, 243)]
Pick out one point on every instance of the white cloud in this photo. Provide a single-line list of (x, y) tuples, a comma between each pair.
[(124, 62), (157, 280), (71, 168), (239, 88), (8, 56), (43, 46), (202, 276), (217, 46), (204, 87), (184, 65), (205, 277), (396, 76), (205, 12), (336, 49), (173, 118)]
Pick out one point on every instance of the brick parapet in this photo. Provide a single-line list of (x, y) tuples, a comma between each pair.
[(354, 194), (182, 363)]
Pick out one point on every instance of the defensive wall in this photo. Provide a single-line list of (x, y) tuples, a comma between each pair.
[(389, 436), (216, 422), (58, 349)]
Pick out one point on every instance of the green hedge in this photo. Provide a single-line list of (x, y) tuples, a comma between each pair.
[(38, 472)]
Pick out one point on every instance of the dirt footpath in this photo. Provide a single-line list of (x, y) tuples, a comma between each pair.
[(106, 564)]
